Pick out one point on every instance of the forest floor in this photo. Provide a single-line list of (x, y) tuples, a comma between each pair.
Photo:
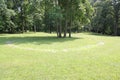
[(42, 56)]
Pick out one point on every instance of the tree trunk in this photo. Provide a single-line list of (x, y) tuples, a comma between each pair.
[(66, 22), (70, 30), (57, 29), (70, 26), (35, 28), (116, 19), (115, 29), (57, 25), (65, 29), (22, 21), (70, 21), (60, 30), (116, 24), (50, 30), (25, 23)]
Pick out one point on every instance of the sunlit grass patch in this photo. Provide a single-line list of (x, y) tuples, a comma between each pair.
[(43, 56)]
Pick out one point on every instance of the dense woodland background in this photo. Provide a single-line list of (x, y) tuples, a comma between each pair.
[(60, 16)]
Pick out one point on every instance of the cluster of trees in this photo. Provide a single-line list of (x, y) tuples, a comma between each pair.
[(106, 18), (44, 15), (60, 16)]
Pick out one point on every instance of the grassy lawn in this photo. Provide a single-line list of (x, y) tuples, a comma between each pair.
[(42, 56)]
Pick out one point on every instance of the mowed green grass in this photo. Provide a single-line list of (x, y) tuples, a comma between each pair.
[(42, 56)]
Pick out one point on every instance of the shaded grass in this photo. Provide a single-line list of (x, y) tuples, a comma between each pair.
[(97, 63), (37, 38)]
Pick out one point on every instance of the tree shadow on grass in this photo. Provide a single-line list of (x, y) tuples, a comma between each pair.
[(37, 40)]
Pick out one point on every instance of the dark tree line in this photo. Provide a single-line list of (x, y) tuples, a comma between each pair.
[(19, 16), (60, 16), (106, 17)]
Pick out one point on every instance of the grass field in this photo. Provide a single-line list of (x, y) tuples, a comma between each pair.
[(42, 56)]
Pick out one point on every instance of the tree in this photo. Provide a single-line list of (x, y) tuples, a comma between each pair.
[(106, 17), (116, 6), (44, 15), (7, 24)]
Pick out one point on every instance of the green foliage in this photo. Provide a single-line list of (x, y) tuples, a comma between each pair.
[(106, 17), (6, 15), (20, 16), (60, 16)]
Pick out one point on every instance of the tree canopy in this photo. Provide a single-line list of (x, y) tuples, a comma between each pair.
[(62, 17)]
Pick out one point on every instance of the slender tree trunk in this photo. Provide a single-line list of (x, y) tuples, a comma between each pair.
[(116, 24), (70, 26), (50, 30), (46, 17), (25, 25), (70, 20), (22, 29), (22, 21), (70, 31), (65, 29), (22, 26), (60, 30), (66, 22), (35, 28), (60, 20), (57, 29)]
